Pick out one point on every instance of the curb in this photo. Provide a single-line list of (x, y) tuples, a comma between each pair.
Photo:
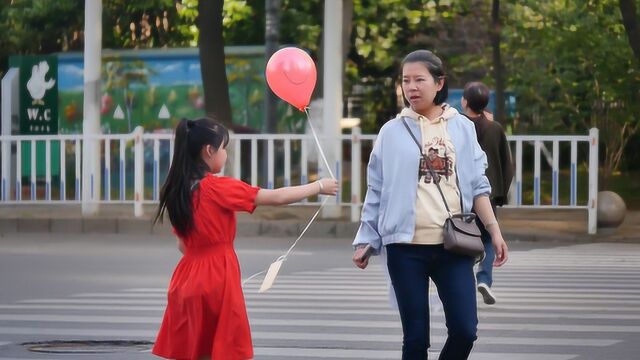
[(271, 228), (274, 228)]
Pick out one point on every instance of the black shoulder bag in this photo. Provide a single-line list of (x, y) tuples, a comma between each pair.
[(461, 234)]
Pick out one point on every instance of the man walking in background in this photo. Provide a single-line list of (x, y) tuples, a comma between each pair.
[(493, 141)]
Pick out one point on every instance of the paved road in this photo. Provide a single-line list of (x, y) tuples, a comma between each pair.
[(556, 301)]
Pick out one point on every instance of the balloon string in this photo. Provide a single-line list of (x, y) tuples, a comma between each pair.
[(315, 136), (286, 255), (313, 218)]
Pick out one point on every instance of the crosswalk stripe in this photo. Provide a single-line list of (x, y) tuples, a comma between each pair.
[(328, 297), (501, 340), (374, 303), (79, 307), (481, 314), (384, 304), (95, 301), (393, 354), (482, 325), (380, 284), (503, 299), (80, 332), (394, 324), (105, 319), (367, 292), (254, 309), (356, 280)]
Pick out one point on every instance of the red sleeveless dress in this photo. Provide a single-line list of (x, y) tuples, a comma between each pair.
[(206, 314)]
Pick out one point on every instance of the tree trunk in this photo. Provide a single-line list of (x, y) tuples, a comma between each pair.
[(212, 61), (630, 21), (272, 30), (498, 74)]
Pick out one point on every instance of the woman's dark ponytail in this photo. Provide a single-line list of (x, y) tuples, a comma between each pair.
[(186, 169)]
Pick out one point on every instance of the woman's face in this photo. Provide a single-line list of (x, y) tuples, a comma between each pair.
[(419, 86)]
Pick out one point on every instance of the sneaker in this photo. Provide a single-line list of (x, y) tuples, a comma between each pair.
[(487, 294)]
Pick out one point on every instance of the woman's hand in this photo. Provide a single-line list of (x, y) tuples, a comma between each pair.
[(328, 186), (359, 259), (502, 251)]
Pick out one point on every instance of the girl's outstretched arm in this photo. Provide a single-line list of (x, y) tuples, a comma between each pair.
[(291, 194)]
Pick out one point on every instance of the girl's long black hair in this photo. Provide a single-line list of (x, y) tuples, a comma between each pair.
[(187, 167)]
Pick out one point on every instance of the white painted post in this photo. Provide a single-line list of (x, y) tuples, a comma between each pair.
[(519, 173), (47, 162), (254, 162), (156, 169), (536, 173), (332, 95), (91, 106), (33, 171), (138, 173), (574, 173), (10, 96), (18, 170), (287, 162), (555, 173), (78, 182), (107, 170), (172, 144), (356, 165), (236, 158), (229, 168), (63, 167), (123, 171), (270, 164), (593, 180)]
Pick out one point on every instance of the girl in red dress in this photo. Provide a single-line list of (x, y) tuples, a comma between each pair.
[(206, 316)]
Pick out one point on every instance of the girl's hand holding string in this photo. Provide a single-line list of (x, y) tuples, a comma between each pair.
[(290, 194), (327, 186)]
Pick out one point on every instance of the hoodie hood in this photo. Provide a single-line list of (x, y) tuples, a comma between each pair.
[(448, 113)]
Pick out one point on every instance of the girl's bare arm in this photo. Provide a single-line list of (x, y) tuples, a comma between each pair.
[(291, 194)]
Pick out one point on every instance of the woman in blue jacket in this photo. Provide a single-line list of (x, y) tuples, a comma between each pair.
[(404, 211)]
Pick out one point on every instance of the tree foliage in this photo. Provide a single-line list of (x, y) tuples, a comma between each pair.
[(144, 24), (569, 62), (39, 27), (572, 68)]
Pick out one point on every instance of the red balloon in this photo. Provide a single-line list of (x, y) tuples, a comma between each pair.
[(291, 74)]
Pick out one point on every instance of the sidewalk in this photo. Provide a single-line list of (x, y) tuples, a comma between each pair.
[(516, 224)]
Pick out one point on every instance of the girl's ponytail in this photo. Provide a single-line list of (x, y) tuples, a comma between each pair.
[(175, 195), (186, 168)]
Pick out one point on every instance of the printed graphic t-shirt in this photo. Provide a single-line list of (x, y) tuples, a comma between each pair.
[(438, 148)]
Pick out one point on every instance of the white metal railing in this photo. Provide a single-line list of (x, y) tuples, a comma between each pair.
[(133, 167), (556, 167)]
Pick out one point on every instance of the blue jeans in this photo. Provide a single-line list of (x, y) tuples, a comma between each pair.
[(410, 267), (485, 268)]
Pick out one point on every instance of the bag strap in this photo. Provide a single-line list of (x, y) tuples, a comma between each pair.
[(428, 163)]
